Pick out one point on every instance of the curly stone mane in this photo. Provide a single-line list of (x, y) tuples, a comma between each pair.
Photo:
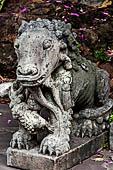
[(63, 31)]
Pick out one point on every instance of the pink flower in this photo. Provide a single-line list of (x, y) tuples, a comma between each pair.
[(75, 14), (67, 6), (82, 29), (82, 37), (59, 1), (104, 13), (109, 52), (65, 20), (23, 10), (105, 19), (99, 154), (96, 19), (9, 121), (108, 162), (83, 13)]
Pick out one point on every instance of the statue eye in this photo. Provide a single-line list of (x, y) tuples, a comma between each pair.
[(16, 46), (47, 44)]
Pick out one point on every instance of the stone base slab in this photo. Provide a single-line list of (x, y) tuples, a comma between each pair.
[(81, 149), (111, 136)]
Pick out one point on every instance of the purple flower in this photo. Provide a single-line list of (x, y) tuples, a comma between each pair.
[(49, 1), (108, 162), (99, 154), (105, 19), (104, 13), (109, 52), (65, 20), (9, 121), (83, 13), (82, 29), (82, 37), (96, 19), (23, 10), (75, 14), (67, 6), (59, 1)]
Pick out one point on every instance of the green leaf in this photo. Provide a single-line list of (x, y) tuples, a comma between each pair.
[(101, 55), (1, 4), (111, 118)]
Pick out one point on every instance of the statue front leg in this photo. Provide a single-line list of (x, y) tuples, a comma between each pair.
[(58, 142), (30, 124), (30, 121)]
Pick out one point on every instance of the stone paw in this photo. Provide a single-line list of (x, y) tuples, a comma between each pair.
[(20, 140), (54, 145), (85, 129), (90, 127)]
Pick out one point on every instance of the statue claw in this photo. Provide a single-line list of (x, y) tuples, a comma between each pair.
[(57, 153), (77, 134), (20, 140), (51, 152), (83, 134), (86, 128), (44, 149), (90, 134), (54, 145)]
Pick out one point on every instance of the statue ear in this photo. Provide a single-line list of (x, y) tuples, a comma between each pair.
[(23, 27), (67, 61), (68, 26)]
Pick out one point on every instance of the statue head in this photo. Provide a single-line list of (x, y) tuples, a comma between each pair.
[(39, 47)]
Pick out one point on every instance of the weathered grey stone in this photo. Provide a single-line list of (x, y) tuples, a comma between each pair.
[(111, 135), (4, 89), (57, 92), (91, 2), (81, 148)]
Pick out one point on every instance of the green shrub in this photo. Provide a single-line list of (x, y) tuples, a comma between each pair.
[(111, 118), (106, 145), (78, 46), (1, 4), (101, 55)]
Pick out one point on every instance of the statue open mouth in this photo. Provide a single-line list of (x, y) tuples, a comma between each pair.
[(28, 81)]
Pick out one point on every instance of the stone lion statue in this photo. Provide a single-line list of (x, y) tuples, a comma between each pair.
[(57, 93)]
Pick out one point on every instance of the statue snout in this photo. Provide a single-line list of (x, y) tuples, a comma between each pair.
[(27, 70)]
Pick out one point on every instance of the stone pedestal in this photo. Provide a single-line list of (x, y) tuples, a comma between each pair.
[(81, 149), (111, 136)]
